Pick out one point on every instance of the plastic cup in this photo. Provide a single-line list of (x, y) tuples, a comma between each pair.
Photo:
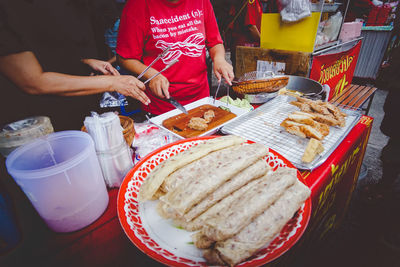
[(115, 164), (61, 176)]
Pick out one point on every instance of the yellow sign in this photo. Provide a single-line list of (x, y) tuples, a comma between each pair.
[(295, 36)]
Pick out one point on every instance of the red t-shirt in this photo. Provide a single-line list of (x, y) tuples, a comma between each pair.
[(251, 16), (149, 26), (254, 14)]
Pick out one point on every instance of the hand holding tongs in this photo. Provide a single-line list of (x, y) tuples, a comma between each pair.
[(164, 69), (170, 100)]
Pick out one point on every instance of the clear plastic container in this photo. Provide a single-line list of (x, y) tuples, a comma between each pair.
[(115, 164), (21, 132), (61, 176), (105, 130)]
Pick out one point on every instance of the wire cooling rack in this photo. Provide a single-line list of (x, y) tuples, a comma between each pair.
[(262, 125)]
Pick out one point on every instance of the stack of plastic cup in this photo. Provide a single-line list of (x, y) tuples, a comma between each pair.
[(115, 156)]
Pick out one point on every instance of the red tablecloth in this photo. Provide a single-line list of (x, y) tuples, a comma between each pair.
[(104, 242)]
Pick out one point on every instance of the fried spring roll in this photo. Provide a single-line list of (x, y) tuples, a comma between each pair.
[(255, 171), (156, 177), (216, 209), (244, 209), (201, 241), (217, 169), (262, 230)]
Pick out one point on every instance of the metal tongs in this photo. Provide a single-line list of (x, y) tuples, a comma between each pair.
[(164, 69), (216, 93), (171, 100), (154, 61)]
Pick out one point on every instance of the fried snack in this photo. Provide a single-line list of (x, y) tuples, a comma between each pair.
[(334, 109), (201, 123), (302, 130), (293, 128), (202, 241), (319, 108), (314, 147), (156, 177), (213, 211), (302, 106), (323, 112), (215, 169), (322, 128), (306, 118), (327, 119), (310, 115), (303, 100), (301, 119), (296, 130), (312, 132), (261, 86), (197, 123), (243, 210), (255, 171), (209, 115), (261, 231)]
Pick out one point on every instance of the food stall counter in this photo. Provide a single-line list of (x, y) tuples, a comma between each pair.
[(104, 243)]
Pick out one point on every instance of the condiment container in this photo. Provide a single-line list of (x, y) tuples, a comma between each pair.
[(61, 176)]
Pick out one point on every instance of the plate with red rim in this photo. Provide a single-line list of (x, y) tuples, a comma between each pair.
[(173, 246)]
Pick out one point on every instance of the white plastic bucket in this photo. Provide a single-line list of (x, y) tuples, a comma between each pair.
[(61, 176)]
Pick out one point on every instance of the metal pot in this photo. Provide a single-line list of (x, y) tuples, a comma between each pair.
[(296, 83), (304, 85)]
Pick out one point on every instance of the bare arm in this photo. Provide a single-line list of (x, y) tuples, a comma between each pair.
[(104, 67), (254, 32), (25, 71), (159, 85), (222, 69)]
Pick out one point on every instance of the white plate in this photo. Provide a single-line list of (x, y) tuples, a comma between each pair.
[(158, 120), (172, 246)]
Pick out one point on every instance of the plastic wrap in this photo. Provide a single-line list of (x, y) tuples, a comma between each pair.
[(114, 155), (113, 99), (295, 10), (149, 137), (329, 30), (332, 26)]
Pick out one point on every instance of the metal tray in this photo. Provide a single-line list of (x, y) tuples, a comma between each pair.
[(262, 125)]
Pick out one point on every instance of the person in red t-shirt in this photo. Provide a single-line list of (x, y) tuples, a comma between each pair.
[(147, 27), (247, 27)]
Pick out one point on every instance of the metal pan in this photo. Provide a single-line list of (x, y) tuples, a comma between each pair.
[(301, 84), (304, 85)]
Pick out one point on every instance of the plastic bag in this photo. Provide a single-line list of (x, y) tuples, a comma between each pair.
[(329, 30), (332, 26), (295, 10), (149, 137), (113, 99)]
